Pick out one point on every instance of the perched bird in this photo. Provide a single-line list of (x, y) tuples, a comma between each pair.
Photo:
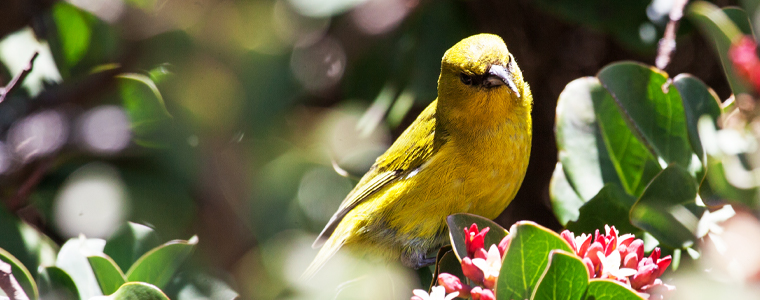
[(467, 152)]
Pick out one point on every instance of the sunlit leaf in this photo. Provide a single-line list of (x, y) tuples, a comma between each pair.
[(634, 162), (130, 242), (56, 283), (135, 291), (661, 210), (144, 105), (73, 260), (605, 289), (22, 275), (653, 110), (158, 265), (526, 259), (610, 207), (579, 142), (108, 274), (74, 31), (698, 100), (198, 285), (566, 278), (565, 202)]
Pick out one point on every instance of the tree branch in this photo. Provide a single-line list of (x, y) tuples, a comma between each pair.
[(9, 284), (667, 44), (16, 81)]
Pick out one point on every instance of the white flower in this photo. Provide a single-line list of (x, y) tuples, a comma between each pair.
[(611, 266), (438, 293), (491, 266)]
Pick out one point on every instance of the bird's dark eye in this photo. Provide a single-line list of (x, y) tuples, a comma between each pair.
[(466, 79)]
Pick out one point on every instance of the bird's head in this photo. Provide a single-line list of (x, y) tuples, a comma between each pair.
[(480, 79)]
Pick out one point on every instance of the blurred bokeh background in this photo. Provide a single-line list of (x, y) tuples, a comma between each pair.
[(229, 118)]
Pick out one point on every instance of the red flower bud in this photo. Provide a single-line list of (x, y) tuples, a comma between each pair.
[(474, 239), (475, 293), (504, 244), (630, 261), (655, 255), (471, 271), (487, 294), (450, 282), (584, 247), (481, 253), (626, 239), (593, 253), (637, 246), (663, 264), (644, 276)]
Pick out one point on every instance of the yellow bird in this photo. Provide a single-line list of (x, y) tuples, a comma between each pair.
[(467, 152)]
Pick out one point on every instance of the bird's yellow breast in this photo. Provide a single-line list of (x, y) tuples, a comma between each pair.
[(478, 176)]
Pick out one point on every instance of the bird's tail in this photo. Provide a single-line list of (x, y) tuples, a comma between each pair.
[(328, 250)]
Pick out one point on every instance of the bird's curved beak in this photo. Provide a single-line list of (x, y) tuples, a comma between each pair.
[(498, 75)]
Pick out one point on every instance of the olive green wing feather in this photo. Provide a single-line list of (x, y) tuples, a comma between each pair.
[(416, 145)]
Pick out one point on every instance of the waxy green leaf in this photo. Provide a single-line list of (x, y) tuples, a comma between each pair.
[(566, 278), (662, 209), (565, 202), (158, 265), (526, 259), (605, 289), (109, 275)]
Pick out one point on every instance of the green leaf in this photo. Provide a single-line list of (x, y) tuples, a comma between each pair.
[(610, 207), (633, 161), (722, 31), (604, 289), (108, 274), (698, 100), (158, 265), (716, 177), (22, 275), (458, 222), (144, 104), (661, 210), (652, 109), (448, 263), (565, 202), (566, 278), (197, 285), (130, 242), (74, 31), (579, 142), (740, 19), (27, 244), (136, 291), (526, 259), (55, 281), (73, 260)]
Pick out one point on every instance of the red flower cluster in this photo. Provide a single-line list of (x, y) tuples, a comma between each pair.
[(621, 258), (743, 55), (481, 267)]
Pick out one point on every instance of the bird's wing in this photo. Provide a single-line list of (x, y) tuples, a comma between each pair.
[(414, 147)]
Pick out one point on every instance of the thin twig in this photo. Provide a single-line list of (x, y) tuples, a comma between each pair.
[(9, 284), (23, 192), (16, 81), (667, 44)]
